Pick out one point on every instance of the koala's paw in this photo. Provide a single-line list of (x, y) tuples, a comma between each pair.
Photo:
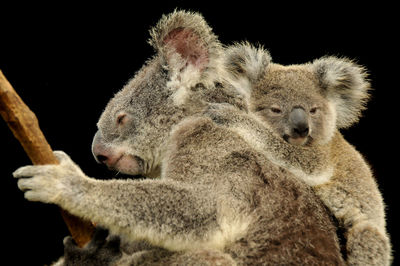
[(101, 250), (366, 245), (49, 183)]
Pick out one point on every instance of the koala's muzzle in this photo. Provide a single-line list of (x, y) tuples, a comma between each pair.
[(298, 122), (116, 157)]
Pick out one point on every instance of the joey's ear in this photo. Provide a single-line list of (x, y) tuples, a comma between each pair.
[(245, 65), (246, 60), (345, 84), (184, 39)]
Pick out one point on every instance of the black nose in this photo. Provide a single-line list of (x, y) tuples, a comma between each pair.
[(101, 158), (301, 130), (99, 150), (298, 120)]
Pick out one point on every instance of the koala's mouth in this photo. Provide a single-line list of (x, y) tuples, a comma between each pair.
[(120, 175), (127, 165), (298, 141)]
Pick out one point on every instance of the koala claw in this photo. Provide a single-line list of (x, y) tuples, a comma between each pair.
[(31, 170), (101, 250), (45, 183)]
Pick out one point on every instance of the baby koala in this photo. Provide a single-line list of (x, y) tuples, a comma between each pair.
[(294, 113)]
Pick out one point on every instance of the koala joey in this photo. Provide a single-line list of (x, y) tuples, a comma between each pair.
[(294, 116), (210, 198)]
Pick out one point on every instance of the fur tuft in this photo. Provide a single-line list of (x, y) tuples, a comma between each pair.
[(191, 51), (245, 64), (189, 35), (180, 20), (244, 58), (346, 84)]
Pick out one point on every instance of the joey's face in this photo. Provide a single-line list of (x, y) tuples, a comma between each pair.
[(303, 103), (290, 102)]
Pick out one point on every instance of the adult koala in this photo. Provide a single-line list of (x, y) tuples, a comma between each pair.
[(217, 200)]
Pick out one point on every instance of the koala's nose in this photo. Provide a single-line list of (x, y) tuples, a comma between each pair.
[(97, 149), (299, 122), (100, 153), (301, 130), (100, 158)]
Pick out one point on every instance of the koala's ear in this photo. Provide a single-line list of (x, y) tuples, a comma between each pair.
[(345, 84), (246, 60), (245, 65), (184, 39)]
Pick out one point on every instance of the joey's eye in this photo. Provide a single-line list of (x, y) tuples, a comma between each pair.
[(313, 110), (121, 119), (260, 108), (276, 110)]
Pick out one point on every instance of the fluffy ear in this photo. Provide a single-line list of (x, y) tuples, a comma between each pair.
[(184, 39), (246, 60), (245, 65), (345, 84)]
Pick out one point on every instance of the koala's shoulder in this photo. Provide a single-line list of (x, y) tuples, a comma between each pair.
[(190, 129), (353, 161), (202, 133)]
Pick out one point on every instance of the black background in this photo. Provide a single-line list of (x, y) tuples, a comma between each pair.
[(66, 61)]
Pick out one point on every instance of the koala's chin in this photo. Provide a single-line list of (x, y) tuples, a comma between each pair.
[(298, 141), (128, 164)]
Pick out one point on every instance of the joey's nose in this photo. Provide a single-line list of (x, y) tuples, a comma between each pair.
[(301, 130), (299, 122)]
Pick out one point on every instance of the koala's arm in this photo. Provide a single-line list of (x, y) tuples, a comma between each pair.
[(354, 199), (166, 213), (257, 133)]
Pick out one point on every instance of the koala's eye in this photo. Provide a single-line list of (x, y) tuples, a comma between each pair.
[(276, 110), (260, 108), (121, 119), (313, 110)]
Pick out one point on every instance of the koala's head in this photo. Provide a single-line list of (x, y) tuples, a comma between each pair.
[(305, 103), (138, 120)]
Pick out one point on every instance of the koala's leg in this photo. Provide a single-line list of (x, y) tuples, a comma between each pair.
[(104, 249), (367, 246), (160, 257), (366, 240), (101, 250)]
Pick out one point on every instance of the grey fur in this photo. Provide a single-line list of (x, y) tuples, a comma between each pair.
[(216, 201), (332, 92), (99, 251), (245, 59), (344, 83)]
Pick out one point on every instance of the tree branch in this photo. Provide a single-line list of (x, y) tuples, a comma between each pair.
[(25, 127)]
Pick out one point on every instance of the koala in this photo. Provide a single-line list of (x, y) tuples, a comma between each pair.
[(208, 197), (294, 116)]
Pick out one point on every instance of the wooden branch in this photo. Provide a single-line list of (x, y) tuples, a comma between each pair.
[(25, 127)]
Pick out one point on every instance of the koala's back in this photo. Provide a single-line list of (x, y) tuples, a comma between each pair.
[(287, 223), (296, 229)]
